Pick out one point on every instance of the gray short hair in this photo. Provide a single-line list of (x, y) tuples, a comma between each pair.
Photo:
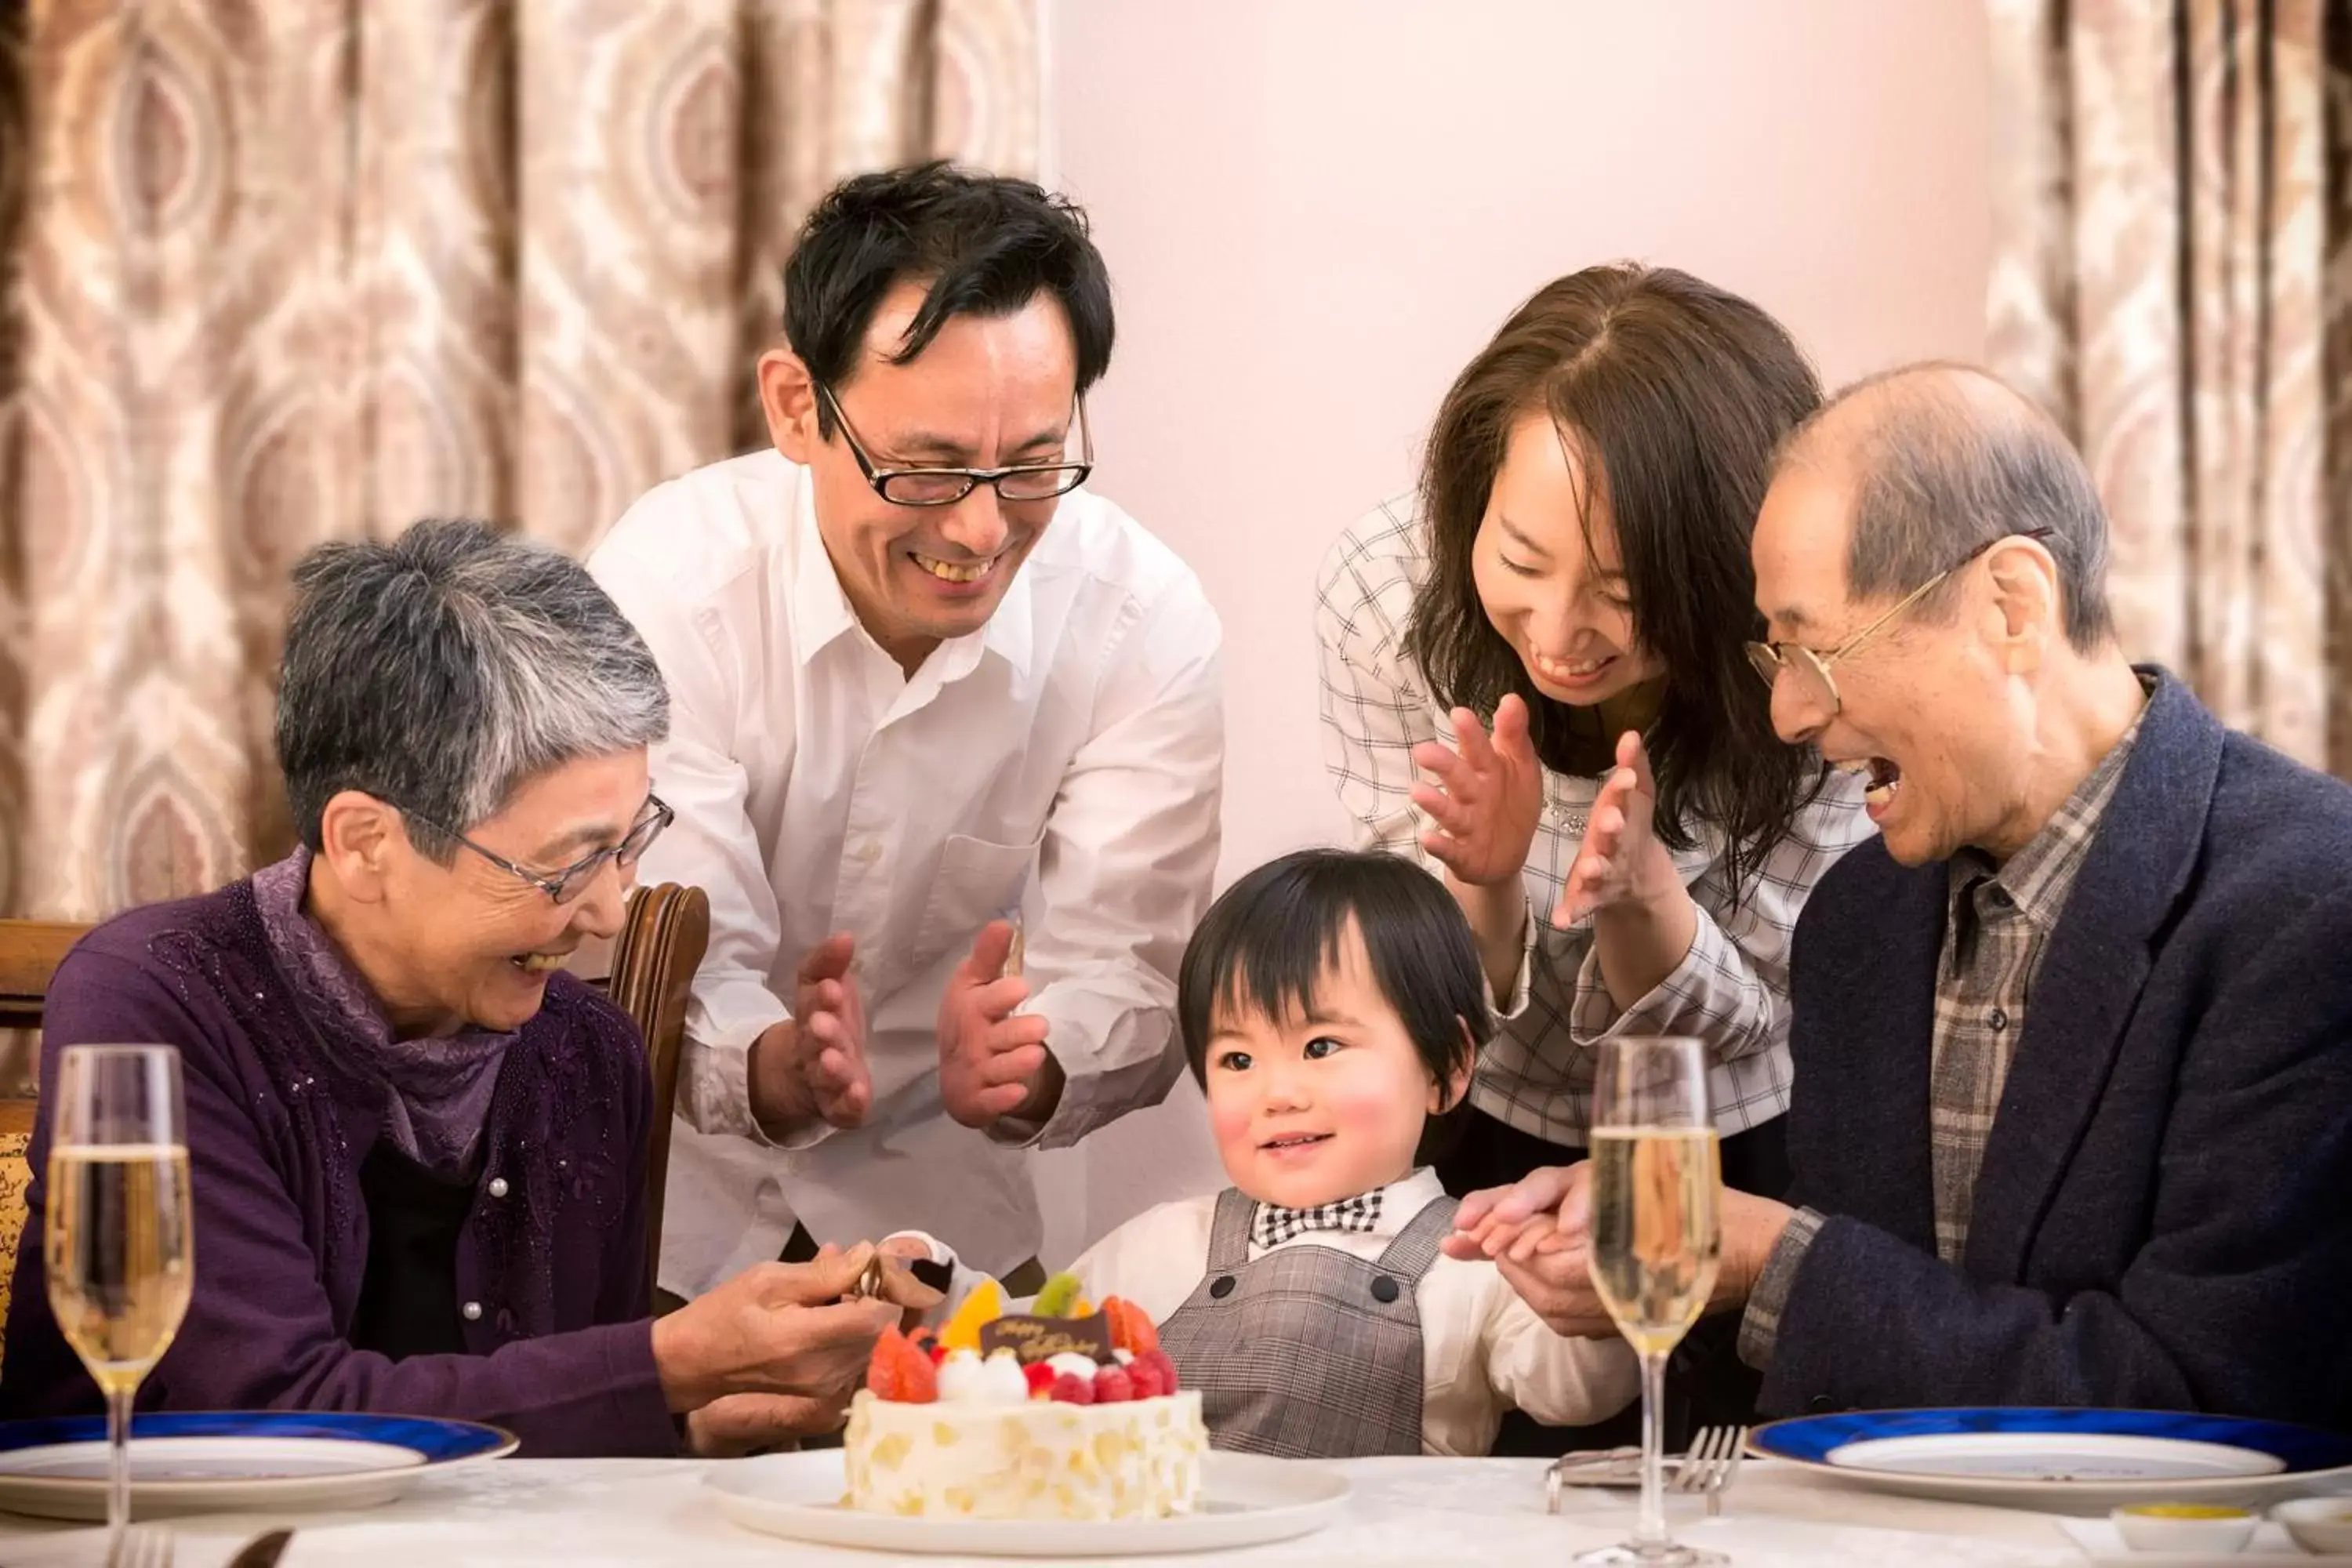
[(1944, 458), (442, 671)]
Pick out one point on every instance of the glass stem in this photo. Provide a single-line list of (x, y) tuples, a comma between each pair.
[(117, 1481), (1649, 1528)]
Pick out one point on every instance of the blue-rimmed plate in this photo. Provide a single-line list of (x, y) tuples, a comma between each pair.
[(260, 1461), (2063, 1461)]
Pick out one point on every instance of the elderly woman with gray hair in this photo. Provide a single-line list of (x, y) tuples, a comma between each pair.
[(418, 1146)]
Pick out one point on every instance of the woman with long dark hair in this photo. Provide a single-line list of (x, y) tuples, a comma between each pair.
[(1534, 682)]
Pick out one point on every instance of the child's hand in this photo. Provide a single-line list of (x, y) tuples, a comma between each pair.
[(1556, 1280), (906, 1244), (1488, 796), (1537, 1234), (1499, 1220), (1528, 1239)]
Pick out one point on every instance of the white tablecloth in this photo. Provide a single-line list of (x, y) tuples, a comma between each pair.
[(1409, 1514)]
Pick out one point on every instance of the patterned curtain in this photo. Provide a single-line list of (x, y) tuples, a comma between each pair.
[(283, 271), (2173, 279)]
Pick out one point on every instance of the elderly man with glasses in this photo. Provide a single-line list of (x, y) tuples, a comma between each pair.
[(2073, 1116), (946, 745), (418, 1147)]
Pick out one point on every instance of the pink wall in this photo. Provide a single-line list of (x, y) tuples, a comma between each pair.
[(1316, 210)]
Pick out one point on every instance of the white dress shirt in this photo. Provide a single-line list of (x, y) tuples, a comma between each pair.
[(1063, 760), (1731, 990), (1483, 1350)]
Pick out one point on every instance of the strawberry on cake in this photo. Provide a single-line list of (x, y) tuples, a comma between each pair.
[(1065, 1412)]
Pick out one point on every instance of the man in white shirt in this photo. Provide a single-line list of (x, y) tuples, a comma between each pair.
[(929, 698)]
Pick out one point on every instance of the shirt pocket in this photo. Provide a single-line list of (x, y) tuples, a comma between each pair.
[(978, 880)]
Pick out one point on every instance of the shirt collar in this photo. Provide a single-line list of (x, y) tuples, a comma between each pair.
[(1010, 635), (822, 611), (1401, 1201), (2038, 877)]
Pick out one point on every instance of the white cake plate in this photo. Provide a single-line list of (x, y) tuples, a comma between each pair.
[(1248, 1500)]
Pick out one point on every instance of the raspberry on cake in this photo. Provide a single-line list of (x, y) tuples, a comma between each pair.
[(1031, 1429)]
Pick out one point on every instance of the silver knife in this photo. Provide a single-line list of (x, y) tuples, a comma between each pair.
[(262, 1551)]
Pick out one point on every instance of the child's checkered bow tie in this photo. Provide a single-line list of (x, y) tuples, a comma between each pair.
[(1275, 1225)]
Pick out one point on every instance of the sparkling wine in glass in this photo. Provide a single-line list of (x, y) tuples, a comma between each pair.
[(116, 1245), (1657, 1239)]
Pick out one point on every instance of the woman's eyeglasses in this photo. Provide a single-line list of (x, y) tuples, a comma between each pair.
[(570, 883)]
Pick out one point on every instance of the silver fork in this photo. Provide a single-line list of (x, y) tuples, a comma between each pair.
[(1614, 1467), (143, 1546), (1710, 1465)]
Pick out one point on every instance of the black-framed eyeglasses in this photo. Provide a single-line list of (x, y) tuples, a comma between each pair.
[(1812, 666), (570, 883), (945, 487)]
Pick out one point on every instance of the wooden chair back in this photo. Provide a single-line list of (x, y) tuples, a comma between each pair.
[(30, 952), (661, 945)]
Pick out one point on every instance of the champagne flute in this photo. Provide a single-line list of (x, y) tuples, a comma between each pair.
[(115, 1231), (1657, 1239)]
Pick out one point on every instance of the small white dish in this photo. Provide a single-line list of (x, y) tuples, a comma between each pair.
[(2184, 1527), (2319, 1524), (2270, 1548)]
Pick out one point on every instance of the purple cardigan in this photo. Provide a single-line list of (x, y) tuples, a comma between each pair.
[(561, 1352)]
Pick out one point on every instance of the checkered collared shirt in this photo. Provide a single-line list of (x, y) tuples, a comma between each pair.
[(1995, 932), (1997, 927), (1732, 988)]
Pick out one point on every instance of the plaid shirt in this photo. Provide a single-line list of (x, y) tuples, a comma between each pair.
[(1996, 928), (1731, 989)]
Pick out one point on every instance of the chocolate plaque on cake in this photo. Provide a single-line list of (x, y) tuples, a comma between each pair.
[(1038, 1339)]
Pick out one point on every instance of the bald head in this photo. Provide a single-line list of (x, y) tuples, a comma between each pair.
[(1939, 460)]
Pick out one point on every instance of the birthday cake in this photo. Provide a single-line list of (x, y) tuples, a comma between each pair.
[(1067, 1412)]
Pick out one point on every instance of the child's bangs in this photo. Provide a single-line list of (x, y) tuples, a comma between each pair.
[(1274, 968)]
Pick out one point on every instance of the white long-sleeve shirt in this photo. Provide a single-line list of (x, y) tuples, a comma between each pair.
[(1483, 1350), (1731, 990), (1065, 761)]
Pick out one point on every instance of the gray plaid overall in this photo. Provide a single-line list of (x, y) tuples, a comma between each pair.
[(1308, 1353)]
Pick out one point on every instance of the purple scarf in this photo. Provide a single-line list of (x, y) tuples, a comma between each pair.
[(438, 1089)]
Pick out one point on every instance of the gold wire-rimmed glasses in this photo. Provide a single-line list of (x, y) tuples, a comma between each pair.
[(1812, 666)]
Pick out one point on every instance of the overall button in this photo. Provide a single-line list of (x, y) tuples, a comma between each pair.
[(1998, 1019), (471, 1311), (1221, 1286), (1819, 1404), (1384, 1288), (497, 1186)]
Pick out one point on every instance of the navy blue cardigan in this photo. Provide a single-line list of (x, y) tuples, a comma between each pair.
[(2164, 1217)]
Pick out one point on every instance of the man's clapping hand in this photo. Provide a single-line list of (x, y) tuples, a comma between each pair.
[(812, 1066)]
